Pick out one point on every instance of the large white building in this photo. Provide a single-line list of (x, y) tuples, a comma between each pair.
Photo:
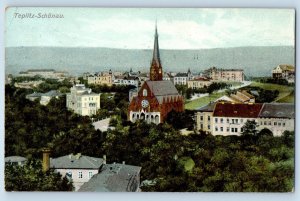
[(229, 118), (83, 101)]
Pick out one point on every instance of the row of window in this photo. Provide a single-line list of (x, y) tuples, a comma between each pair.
[(233, 130), (233, 121), (80, 175), (270, 123)]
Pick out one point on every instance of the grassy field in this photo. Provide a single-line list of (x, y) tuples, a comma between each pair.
[(194, 104), (285, 92), (288, 99)]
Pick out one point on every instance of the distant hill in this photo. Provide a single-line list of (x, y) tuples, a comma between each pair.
[(256, 61)]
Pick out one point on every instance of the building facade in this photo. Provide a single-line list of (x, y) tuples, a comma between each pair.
[(284, 72), (156, 97), (183, 78), (236, 75), (223, 118), (103, 78), (199, 83), (83, 101), (45, 73)]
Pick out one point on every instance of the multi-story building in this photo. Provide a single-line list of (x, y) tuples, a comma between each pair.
[(198, 83), (102, 78), (284, 72), (223, 118), (83, 101), (44, 97), (277, 117), (182, 78), (124, 80), (236, 75)]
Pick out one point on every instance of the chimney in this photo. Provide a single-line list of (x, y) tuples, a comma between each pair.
[(104, 159), (46, 159)]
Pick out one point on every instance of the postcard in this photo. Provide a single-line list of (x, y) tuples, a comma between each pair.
[(149, 99)]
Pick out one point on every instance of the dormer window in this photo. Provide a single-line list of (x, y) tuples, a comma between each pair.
[(145, 93)]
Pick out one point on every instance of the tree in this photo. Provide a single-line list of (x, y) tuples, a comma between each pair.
[(249, 128), (30, 177)]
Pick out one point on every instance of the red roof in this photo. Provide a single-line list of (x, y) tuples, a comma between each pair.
[(237, 110)]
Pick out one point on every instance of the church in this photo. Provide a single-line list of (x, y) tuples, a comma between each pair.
[(156, 97)]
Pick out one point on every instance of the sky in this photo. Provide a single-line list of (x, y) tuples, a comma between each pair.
[(133, 28)]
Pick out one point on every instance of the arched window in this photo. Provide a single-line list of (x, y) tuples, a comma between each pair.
[(145, 92)]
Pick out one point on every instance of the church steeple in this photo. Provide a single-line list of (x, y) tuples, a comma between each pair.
[(156, 68)]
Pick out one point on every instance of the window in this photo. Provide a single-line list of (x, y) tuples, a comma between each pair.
[(201, 118), (275, 123), (216, 120), (235, 130), (216, 128), (279, 124), (221, 129), (227, 121), (69, 174), (208, 118), (90, 174), (232, 129), (221, 120), (79, 175), (201, 126), (227, 129), (208, 127), (236, 121), (283, 124), (232, 121), (270, 123), (265, 123), (242, 130), (145, 92)]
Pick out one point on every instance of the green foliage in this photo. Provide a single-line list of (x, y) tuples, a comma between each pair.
[(30, 177), (250, 128), (180, 120)]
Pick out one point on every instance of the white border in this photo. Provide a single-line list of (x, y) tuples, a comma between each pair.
[(144, 196)]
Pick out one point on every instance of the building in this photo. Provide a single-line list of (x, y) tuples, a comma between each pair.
[(44, 73), (126, 80), (241, 96), (224, 118), (28, 84), (44, 97), (15, 160), (102, 78), (103, 125), (277, 117), (284, 71), (83, 101), (183, 78), (156, 97), (114, 178), (199, 83), (78, 168), (236, 75)]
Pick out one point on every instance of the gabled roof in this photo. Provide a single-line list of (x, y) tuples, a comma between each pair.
[(52, 93), (112, 178), (237, 110), (278, 110), (162, 88), (76, 162), (34, 94), (181, 75), (286, 67), (207, 108)]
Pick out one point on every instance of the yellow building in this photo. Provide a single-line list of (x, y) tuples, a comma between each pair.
[(198, 83), (204, 117), (102, 78)]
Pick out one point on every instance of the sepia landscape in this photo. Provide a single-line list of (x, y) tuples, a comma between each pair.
[(149, 100)]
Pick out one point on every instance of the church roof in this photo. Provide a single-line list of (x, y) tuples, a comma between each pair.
[(156, 56), (162, 88)]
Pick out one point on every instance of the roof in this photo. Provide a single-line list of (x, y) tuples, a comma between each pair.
[(102, 125), (15, 159), (181, 75), (162, 88), (278, 110), (237, 110), (207, 108), (201, 79), (52, 93), (76, 162), (112, 178), (286, 67), (34, 94)]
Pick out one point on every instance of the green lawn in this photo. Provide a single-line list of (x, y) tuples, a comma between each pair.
[(288, 99), (194, 104), (187, 162), (284, 91)]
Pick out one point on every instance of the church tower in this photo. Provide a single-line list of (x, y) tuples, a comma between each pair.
[(156, 73)]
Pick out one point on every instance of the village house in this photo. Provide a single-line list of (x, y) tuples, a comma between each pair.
[(183, 78), (102, 78), (44, 97), (221, 74), (15, 160), (199, 83), (284, 71), (241, 96)]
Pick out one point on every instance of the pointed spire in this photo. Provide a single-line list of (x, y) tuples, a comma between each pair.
[(156, 73), (156, 56)]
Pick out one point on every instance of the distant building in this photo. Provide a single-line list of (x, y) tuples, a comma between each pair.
[(102, 78), (83, 101), (183, 78), (157, 97), (78, 168), (199, 83), (236, 75), (126, 80), (103, 125), (44, 97), (114, 178), (223, 118), (28, 84), (44, 73), (15, 160), (241, 96), (284, 72)]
